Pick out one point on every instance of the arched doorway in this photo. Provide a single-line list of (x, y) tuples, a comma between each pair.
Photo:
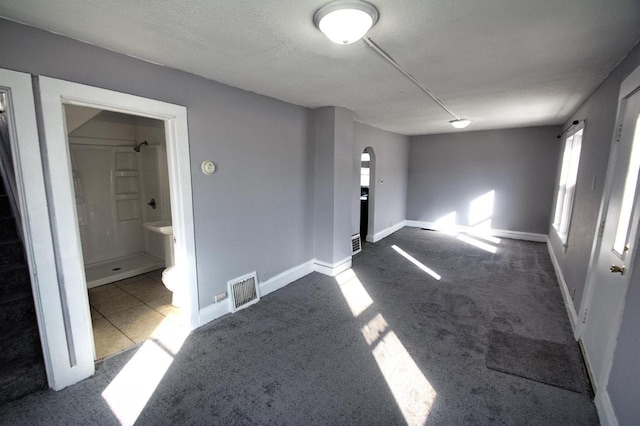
[(367, 193)]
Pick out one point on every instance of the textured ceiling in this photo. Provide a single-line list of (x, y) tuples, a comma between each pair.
[(501, 63)]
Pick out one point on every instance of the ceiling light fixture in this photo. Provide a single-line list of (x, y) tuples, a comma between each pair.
[(460, 123), (345, 21)]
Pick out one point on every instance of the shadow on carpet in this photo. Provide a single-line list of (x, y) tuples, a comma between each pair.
[(546, 362)]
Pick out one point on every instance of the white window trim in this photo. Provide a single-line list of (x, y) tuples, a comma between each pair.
[(562, 218)]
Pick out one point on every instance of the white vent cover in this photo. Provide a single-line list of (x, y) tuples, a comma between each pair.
[(356, 244), (244, 291)]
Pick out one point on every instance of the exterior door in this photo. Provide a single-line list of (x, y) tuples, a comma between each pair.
[(610, 278)]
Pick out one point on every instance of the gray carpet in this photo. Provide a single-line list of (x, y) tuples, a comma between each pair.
[(547, 362), (300, 356)]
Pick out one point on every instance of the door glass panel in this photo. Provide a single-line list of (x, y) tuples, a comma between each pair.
[(628, 196)]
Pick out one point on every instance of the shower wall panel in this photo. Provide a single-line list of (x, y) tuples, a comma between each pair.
[(108, 196), (154, 179)]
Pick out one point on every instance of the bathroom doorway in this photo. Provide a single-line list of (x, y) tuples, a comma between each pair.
[(121, 186), (68, 343)]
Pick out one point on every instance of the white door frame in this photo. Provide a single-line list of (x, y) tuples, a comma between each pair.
[(628, 87), (36, 229), (371, 205), (70, 342)]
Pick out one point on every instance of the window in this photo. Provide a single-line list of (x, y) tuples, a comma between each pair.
[(365, 161), (567, 184)]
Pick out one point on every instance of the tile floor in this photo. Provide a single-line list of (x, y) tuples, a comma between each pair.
[(128, 312)]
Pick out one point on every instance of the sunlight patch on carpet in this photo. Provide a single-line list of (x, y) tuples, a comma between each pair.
[(416, 262), (131, 389), (476, 243), (375, 329), (485, 235), (353, 292), (411, 390)]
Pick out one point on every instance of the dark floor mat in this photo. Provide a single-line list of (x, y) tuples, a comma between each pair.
[(547, 362)]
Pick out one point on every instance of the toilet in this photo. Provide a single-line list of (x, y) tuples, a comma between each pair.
[(171, 280), (170, 276)]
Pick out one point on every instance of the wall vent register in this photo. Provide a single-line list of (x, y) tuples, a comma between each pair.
[(244, 291), (356, 244)]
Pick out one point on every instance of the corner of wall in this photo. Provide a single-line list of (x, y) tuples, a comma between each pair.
[(332, 269), (386, 232)]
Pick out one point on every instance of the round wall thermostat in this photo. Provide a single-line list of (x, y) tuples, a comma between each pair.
[(208, 167)]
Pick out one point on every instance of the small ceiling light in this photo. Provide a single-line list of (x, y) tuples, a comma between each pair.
[(460, 123), (345, 21)]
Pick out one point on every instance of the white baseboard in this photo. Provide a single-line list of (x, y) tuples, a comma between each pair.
[(214, 311), (503, 233), (286, 277), (332, 269), (386, 232), (568, 303), (605, 409), (219, 309)]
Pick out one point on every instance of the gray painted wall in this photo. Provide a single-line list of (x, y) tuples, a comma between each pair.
[(448, 171), (599, 110), (342, 186), (324, 183), (392, 160), (255, 212), (333, 175)]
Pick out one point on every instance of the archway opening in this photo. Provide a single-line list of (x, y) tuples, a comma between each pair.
[(367, 194)]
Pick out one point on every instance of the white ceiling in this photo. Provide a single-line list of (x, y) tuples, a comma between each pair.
[(501, 63)]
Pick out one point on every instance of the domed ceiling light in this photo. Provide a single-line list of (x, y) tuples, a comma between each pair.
[(460, 123), (347, 21), (344, 21)]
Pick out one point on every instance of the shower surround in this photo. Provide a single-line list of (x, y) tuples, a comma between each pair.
[(121, 182)]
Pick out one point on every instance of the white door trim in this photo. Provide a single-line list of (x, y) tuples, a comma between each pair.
[(78, 363), (628, 87), (373, 184), (36, 229)]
